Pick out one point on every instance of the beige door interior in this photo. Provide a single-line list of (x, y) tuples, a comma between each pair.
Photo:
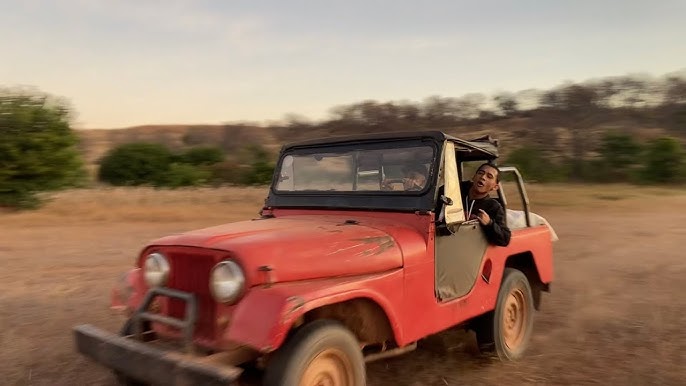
[(459, 250)]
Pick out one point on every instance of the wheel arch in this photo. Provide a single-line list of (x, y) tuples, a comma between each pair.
[(363, 316), (526, 263)]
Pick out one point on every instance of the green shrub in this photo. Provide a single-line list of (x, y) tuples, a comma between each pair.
[(533, 165), (259, 173), (251, 166), (200, 156), (37, 148), (261, 168), (227, 172), (184, 175), (663, 161), (134, 164), (619, 154)]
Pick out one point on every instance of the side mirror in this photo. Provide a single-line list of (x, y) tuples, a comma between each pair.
[(446, 200)]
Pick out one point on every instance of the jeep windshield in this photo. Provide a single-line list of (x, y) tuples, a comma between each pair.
[(383, 168)]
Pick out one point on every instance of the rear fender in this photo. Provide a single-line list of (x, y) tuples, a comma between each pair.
[(537, 245), (530, 251), (265, 316)]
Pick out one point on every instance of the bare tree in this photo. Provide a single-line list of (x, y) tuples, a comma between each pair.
[(437, 110), (507, 104), (468, 106), (575, 107), (675, 92)]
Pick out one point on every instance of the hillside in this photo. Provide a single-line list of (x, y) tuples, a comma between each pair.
[(512, 133), (96, 142)]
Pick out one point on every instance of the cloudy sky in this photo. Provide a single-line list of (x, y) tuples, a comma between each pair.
[(130, 62)]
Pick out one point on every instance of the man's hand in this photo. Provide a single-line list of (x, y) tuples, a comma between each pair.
[(483, 217)]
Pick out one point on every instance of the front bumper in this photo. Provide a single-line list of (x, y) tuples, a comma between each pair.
[(148, 364), (128, 355)]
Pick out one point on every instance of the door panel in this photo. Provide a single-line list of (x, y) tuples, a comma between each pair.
[(458, 259)]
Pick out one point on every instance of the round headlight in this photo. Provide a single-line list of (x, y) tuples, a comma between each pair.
[(156, 270), (227, 281)]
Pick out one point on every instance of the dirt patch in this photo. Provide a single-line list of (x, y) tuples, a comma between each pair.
[(615, 314)]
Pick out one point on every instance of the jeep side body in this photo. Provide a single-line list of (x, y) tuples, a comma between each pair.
[(334, 273)]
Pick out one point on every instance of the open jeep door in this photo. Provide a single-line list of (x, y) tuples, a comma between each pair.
[(460, 245)]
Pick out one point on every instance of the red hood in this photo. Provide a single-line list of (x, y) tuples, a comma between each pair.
[(298, 247)]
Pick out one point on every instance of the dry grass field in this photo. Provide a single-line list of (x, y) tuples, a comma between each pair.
[(616, 314)]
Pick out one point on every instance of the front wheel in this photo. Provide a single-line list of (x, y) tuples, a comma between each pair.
[(123, 380), (323, 352), (507, 330)]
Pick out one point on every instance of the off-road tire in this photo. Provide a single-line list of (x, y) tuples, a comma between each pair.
[(123, 380), (507, 330), (316, 351)]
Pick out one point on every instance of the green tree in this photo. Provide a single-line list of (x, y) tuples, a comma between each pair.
[(663, 161), (137, 163), (37, 147)]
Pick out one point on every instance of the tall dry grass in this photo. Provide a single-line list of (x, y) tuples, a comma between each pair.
[(584, 197), (143, 205), (104, 204)]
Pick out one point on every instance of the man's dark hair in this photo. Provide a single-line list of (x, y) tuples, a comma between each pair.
[(491, 165)]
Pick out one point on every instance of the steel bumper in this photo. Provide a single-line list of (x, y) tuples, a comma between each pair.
[(149, 364)]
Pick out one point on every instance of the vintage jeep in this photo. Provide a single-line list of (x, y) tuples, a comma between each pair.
[(334, 273)]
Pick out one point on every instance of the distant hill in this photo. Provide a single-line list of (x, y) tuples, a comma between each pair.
[(95, 143), (512, 133)]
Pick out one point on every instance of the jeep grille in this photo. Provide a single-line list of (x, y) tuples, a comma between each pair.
[(190, 273)]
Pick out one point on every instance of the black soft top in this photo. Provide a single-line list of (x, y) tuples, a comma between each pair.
[(474, 149)]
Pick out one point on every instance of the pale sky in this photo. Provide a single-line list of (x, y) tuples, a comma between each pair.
[(132, 62)]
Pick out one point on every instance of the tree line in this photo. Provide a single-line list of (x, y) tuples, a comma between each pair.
[(643, 99), (38, 148), (590, 114)]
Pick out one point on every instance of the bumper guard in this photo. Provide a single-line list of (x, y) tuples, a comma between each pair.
[(147, 363)]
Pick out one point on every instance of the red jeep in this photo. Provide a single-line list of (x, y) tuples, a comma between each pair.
[(335, 272)]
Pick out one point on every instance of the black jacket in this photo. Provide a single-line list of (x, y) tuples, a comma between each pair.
[(497, 231)]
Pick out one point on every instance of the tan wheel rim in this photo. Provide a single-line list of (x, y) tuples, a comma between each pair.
[(515, 315), (330, 367)]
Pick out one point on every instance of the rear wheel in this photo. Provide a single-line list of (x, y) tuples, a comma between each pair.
[(322, 353), (507, 330)]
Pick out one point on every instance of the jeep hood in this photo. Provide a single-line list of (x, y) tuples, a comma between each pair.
[(298, 247)]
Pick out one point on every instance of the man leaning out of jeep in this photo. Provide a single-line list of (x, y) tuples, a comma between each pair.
[(479, 205)]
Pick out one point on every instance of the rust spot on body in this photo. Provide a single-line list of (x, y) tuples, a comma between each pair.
[(381, 244)]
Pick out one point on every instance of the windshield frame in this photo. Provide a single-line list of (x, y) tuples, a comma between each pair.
[(368, 199), (353, 150)]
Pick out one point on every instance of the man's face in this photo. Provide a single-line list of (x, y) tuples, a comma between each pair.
[(485, 180), (414, 181)]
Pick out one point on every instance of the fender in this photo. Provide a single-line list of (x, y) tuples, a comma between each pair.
[(534, 241), (263, 318), (128, 292)]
